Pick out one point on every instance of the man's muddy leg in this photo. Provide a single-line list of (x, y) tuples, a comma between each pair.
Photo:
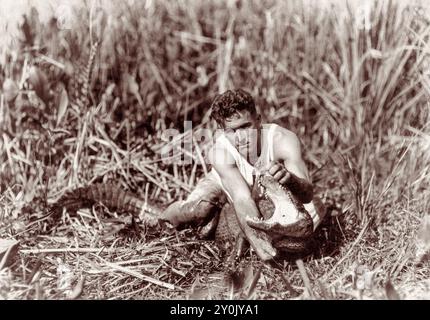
[(203, 202)]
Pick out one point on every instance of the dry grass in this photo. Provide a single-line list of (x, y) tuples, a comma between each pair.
[(352, 82)]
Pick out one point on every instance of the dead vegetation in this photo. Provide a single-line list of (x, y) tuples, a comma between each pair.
[(352, 81)]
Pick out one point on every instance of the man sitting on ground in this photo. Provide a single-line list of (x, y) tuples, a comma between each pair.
[(246, 147)]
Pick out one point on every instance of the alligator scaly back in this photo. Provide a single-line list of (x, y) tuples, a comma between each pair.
[(112, 196)]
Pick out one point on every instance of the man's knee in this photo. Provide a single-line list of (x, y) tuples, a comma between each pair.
[(172, 213), (206, 198)]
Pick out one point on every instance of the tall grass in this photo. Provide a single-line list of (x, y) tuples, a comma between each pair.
[(351, 79)]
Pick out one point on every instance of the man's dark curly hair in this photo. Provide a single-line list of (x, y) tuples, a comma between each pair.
[(225, 105)]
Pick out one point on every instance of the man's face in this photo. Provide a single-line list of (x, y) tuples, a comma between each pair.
[(243, 131)]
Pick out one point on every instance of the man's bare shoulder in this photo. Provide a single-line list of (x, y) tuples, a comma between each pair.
[(285, 137)]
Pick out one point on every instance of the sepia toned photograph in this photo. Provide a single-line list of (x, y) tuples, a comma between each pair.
[(239, 150)]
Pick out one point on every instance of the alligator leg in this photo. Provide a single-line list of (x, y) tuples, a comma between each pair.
[(239, 249), (209, 229)]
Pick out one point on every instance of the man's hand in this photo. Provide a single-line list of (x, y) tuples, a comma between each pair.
[(300, 187), (277, 170)]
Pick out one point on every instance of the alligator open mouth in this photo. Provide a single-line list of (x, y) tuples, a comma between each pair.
[(289, 217)]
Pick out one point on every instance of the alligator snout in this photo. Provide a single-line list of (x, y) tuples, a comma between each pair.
[(289, 218), (300, 229)]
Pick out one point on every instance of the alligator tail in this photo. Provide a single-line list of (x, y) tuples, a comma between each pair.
[(112, 196)]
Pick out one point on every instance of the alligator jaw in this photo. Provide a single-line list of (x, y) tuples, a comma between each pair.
[(289, 218), (299, 229), (288, 221)]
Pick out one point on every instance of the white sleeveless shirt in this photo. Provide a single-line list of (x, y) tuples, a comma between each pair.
[(248, 171)]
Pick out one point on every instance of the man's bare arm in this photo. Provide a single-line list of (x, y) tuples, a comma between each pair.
[(288, 152), (243, 204)]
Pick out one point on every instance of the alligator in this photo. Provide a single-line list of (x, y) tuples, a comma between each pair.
[(275, 202), (284, 218), (281, 212), (110, 195)]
